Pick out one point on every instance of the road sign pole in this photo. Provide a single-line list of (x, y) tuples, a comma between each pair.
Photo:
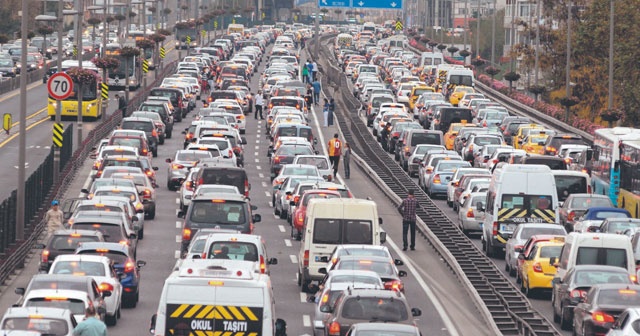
[(58, 117)]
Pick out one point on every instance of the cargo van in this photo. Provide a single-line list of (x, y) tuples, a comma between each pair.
[(333, 222), (221, 296), (517, 194), (588, 248)]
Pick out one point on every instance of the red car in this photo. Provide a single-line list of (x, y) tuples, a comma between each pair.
[(301, 208)]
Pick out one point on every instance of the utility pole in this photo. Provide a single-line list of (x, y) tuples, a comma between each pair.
[(568, 62), (478, 31), (56, 150), (80, 90), (537, 59), (20, 206), (611, 35), (316, 34), (493, 35)]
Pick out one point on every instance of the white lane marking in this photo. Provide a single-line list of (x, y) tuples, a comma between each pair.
[(257, 141), (294, 259), (178, 238), (303, 297), (259, 130), (306, 321), (281, 228), (257, 147), (256, 154), (451, 328), (287, 242), (257, 160), (264, 184), (177, 201), (258, 168), (268, 194), (270, 204), (176, 254), (178, 225), (261, 175)]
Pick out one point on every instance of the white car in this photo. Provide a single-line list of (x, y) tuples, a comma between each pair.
[(101, 270), (40, 321), (74, 300), (455, 179), (320, 161), (186, 189)]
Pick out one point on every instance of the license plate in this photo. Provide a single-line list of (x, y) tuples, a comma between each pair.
[(507, 227)]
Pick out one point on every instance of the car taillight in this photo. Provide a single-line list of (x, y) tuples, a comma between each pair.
[(44, 257), (186, 234), (129, 267), (334, 329), (495, 228), (400, 93), (300, 217), (436, 179), (145, 152), (263, 265), (576, 293), (189, 185), (276, 159), (571, 216), (288, 197), (537, 267), (602, 317), (305, 258), (470, 214), (149, 173), (240, 117), (105, 287), (146, 194), (551, 149), (154, 133), (189, 136), (633, 278), (394, 134), (247, 187), (395, 285), (484, 124), (176, 166)]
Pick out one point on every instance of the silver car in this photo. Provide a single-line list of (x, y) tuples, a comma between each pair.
[(416, 157), (522, 233), (179, 166), (469, 217)]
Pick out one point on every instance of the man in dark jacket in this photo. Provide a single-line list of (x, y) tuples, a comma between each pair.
[(122, 104)]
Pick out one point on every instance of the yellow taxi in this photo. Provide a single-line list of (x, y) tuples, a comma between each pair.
[(458, 93), (534, 143), (522, 132), (452, 133), (536, 271), (416, 92)]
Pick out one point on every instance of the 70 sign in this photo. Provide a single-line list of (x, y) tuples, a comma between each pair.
[(60, 86)]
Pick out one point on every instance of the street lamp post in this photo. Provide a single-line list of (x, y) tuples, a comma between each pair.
[(478, 31), (80, 88), (20, 206), (568, 61), (537, 59), (611, 34), (493, 35)]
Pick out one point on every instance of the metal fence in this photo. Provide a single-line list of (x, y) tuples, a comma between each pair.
[(40, 189)]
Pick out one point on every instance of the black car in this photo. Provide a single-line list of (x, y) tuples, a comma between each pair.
[(162, 109), (601, 307), (573, 287), (7, 67), (553, 143), (64, 242), (47, 74)]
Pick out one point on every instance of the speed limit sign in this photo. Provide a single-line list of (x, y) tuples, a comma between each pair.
[(60, 86)]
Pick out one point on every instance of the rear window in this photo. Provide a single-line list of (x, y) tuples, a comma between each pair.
[(610, 214), (528, 232), (337, 231), (299, 171), (192, 156), (217, 213), (375, 308), (559, 141), (550, 251), (230, 177), (487, 141), (75, 306), (601, 256), (551, 163), (173, 96), (588, 202), (591, 277), (89, 268), (309, 197), (138, 125), (122, 163), (617, 297), (425, 139), (294, 150), (320, 163), (567, 185), (69, 243), (132, 142), (45, 326), (117, 257), (233, 250), (111, 233)]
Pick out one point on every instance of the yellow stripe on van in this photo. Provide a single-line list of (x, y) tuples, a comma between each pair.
[(236, 313), (214, 314), (253, 334), (192, 311), (179, 311), (200, 333), (249, 313), (224, 313), (228, 333), (204, 312), (547, 215)]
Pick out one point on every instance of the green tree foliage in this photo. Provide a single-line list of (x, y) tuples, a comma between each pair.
[(485, 35)]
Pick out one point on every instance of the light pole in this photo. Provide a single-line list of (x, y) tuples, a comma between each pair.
[(478, 31), (568, 62), (20, 206), (537, 59), (80, 90), (611, 31), (493, 35)]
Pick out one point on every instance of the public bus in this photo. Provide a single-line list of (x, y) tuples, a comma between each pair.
[(605, 172), (117, 77), (629, 195), (91, 98)]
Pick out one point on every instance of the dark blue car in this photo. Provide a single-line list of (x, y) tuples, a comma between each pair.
[(593, 218), (126, 266)]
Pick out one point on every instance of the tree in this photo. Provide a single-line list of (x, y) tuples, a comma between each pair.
[(464, 53), (485, 35), (452, 50), (511, 77), (492, 71), (338, 12), (537, 90)]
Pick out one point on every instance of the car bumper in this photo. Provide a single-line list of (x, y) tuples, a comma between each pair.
[(471, 224), (413, 168), (437, 188), (540, 281)]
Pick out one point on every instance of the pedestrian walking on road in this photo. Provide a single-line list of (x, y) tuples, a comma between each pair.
[(332, 108), (325, 112), (310, 71), (316, 91), (408, 210), (314, 70), (122, 104), (335, 150), (91, 325), (347, 160), (305, 74), (54, 217), (259, 104)]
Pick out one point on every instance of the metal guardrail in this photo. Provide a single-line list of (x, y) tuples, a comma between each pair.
[(510, 310), (14, 252)]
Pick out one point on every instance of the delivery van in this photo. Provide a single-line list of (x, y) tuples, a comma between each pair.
[(216, 296), (517, 194), (333, 222), (588, 248)]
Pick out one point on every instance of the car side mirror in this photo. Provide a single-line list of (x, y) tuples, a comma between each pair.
[(196, 256), (184, 132), (180, 214), (135, 219), (383, 237), (257, 218), (380, 220), (398, 262), (416, 312), (133, 235), (152, 324), (139, 210), (317, 152), (141, 263), (269, 153), (292, 203), (19, 291), (322, 270), (254, 207), (326, 308), (315, 141), (39, 246), (106, 294), (243, 140), (402, 274), (520, 256), (168, 160), (272, 261)]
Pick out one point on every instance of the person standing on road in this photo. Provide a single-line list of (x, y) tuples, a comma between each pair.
[(347, 160), (408, 210), (259, 104), (325, 112), (310, 71), (122, 104), (314, 70), (54, 217), (332, 108), (91, 325), (316, 91), (305, 74), (335, 150)]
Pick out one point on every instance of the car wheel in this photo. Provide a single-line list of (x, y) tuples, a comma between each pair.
[(528, 291), (488, 249), (512, 271), (171, 186), (450, 204), (276, 211), (154, 152), (283, 214), (111, 320), (565, 322), (556, 317), (141, 234), (299, 279), (506, 266), (152, 213)]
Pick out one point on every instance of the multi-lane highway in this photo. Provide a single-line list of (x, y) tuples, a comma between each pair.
[(430, 285)]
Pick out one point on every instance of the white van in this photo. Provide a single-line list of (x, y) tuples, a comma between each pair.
[(590, 248), (517, 194), (460, 76), (216, 295), (571, 182), (333, 222)]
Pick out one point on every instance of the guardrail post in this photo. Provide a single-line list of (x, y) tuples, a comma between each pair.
[(4, 222), (12, 217)]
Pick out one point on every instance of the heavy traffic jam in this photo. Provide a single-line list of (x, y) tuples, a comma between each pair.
[(560, 212)]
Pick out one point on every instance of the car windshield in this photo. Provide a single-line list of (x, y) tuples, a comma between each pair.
[(79, 267), (590, 202), (550, 251), (363, 252), (76, 306), (610, 214), (44, 325), (618, 227), (6, 63), (117, 257), (526, 233), (128, 194), (299, 171), (320, 163), (213, 212), (355, 279), (619, 297), (451, 167), (137, 125), (374, 309), (294, 150)]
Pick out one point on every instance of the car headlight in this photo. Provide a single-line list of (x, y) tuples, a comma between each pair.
[(32, 65), (49, 50)]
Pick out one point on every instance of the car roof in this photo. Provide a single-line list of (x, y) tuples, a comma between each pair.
[(44, 311), (103, 245), (386, 326), (221, 196)]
